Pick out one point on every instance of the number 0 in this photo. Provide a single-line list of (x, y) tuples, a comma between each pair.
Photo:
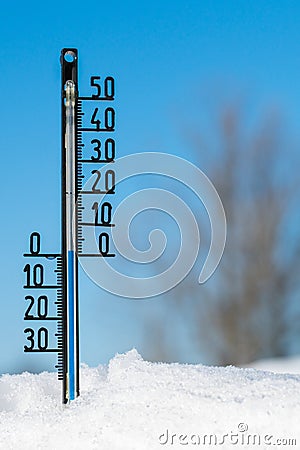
[(104, 244)]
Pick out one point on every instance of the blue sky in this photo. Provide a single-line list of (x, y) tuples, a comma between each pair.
[(159, 53)]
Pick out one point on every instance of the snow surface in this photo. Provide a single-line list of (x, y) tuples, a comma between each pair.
[(289, 364), (130, 404)]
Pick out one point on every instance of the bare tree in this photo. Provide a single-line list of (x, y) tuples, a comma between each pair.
[(244, 311)]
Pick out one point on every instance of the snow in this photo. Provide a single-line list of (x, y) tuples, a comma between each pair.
[(134, 404), (289, 364)]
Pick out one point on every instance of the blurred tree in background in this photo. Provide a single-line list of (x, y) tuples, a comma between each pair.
[(247, 310)]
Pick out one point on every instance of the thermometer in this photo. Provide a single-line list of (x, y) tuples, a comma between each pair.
[(52, 279)]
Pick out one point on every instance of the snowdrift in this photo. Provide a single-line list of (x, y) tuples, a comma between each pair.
[(133, 404), (290, 364)]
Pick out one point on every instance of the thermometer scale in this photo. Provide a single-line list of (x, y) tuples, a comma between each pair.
[(51, 279)]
